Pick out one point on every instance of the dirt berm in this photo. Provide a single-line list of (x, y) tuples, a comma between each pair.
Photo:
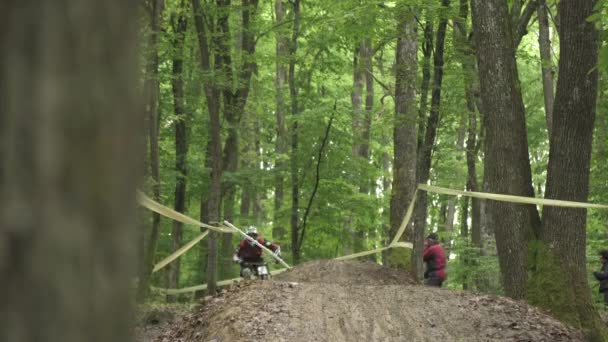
[(353, 301)]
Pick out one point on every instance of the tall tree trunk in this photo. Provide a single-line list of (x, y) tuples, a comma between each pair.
[(232, 117), (367, 55), (467, 57), (451, 213), (71, 163), (404, 134), (293, 92), (427, 52), (210, 198), (507, 164), (282, 56), (181, 147), (561, 258), (365, 183), (544, 42), (424, 157), (152, 112), (353, 242)]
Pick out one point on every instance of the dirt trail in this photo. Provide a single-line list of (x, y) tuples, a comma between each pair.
[(351, 301)]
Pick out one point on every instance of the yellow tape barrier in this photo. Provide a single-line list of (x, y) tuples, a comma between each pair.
[(147, 202), (166, 261), (395, 243), (511, 198)]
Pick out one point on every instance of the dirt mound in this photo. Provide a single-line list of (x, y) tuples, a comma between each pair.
[(323, 310), (346, 272)]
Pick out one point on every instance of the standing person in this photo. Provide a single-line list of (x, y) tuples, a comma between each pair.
[(434, 257), (602, 276)]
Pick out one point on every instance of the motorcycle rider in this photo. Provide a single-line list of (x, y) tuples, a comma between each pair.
[(434, 257), (249, 252)]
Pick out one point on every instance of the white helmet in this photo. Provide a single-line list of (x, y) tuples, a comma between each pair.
[(252, 230)]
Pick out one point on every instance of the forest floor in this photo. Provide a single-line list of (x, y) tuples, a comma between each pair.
[(356, 301)]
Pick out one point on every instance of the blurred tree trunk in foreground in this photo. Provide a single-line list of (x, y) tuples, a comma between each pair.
[(69, 151)]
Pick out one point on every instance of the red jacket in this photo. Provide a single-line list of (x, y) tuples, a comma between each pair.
[(434, 256), (252, 253)]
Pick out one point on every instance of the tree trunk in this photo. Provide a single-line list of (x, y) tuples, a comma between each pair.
[(404, 134), (282, 56), (507, 165), (367, 55), (152, 112), (181, 148), (544, 42), (427, 51), (293, 92), (353, 243), (561, 258), (71, 161), (210, 198), (467, 57), (424, 157)]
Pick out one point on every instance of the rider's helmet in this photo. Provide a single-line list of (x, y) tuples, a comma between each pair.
[(252, 231)]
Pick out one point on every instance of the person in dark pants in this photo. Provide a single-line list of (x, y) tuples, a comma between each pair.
[(602, 276), (434, 257)]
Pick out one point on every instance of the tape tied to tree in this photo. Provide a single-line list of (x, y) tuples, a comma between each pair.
[(395, 243), (156, 207)]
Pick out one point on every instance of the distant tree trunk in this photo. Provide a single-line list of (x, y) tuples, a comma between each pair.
[(282, 56), (561, 261), (367, 54), (152, 112), (211, 197), (507, 165), (181, 147), (451, 213), (293, 92), (466, 54), (356, 98), (427, 52), (544, 42), (232, 119), (71, 149), (404, 134), (424, 157)]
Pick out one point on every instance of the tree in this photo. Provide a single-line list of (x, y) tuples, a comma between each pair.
[(404, 134), (544, 42), (423, 164), (210, 204), (293, 93), (562, 245), (181, 140), (71, 151), (282, 56), (506, 166), (234, 99), (155, 8)]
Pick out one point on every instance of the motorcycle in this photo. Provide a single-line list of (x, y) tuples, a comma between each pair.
[(255, 269)]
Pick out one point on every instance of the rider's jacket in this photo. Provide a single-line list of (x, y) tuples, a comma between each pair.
[(434, 256), (249, 252)]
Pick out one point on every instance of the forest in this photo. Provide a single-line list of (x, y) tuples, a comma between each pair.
[(314, 121)]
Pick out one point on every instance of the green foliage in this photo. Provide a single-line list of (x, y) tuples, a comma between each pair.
[(324, 76), (470, 269)]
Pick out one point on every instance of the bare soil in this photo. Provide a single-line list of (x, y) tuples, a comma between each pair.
[(353, 301)]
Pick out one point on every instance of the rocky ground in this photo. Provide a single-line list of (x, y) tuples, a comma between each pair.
[(352, 301)]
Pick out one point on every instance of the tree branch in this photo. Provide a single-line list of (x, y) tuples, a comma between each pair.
[(318, 177), (522, 26)]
